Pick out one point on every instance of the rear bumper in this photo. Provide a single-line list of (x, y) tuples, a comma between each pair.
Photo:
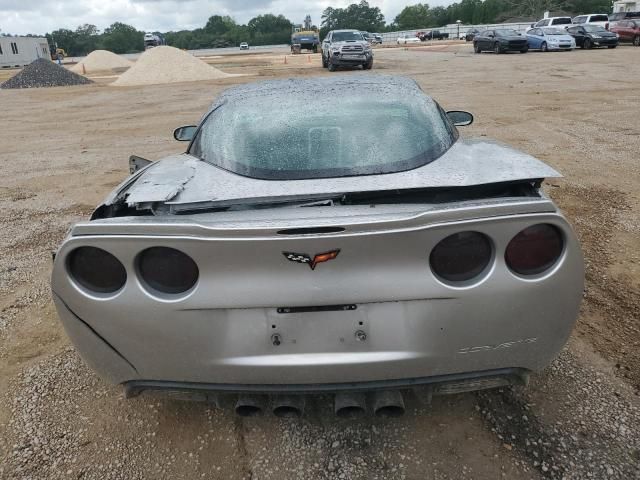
[(440, 385), (400, 322)]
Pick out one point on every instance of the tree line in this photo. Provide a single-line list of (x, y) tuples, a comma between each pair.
[(422, 15), (219, 31), (362, 16), (269, 29)]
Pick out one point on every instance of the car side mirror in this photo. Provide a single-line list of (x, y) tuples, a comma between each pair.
[(460, 118), (185, 134)]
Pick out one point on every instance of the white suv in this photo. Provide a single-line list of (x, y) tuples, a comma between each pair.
[(601, 19)]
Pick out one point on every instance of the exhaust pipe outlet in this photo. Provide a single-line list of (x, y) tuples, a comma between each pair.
[(288, 405), (388, 403), (350, 405), (250, 405)]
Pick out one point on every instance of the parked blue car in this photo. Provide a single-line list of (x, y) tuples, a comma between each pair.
[(549, 38)]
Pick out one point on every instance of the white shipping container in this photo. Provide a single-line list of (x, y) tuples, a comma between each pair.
[(21, 51)]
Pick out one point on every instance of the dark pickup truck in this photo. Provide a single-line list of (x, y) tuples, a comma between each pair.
[(432, 35)]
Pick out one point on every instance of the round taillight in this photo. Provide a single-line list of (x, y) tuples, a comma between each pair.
[(167, 270), (461, 257), (96, 270), (534, 250)]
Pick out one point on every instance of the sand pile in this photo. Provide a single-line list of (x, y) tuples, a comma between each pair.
[(100, 61), (44, 73), (168, 65)]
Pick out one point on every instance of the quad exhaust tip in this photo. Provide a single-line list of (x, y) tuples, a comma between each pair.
[(350, 405), (250, 405), (388, 403), (288, 406)]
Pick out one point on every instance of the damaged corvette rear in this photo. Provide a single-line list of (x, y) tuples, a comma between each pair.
[(303, 246)]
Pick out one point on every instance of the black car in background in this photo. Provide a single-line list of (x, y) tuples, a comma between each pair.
[(432, 35), (500, 41), (373, 38), (589, 36), (471, 34)]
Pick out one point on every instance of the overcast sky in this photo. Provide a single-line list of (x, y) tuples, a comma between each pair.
[(40, 16)]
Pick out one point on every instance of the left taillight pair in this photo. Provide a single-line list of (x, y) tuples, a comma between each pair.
[(161, 269)]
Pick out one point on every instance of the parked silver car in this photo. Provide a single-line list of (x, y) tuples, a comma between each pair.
[(300, 245)]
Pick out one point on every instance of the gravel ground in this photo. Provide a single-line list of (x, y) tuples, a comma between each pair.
[(590, 432), (578, 419), (44, 73)]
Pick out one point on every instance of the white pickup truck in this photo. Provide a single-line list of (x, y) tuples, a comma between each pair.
[(601, 19)]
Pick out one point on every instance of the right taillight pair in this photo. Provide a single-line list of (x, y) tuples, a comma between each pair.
[(463, 256)]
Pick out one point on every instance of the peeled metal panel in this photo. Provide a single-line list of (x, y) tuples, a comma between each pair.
[(184, 179), (162, 184)]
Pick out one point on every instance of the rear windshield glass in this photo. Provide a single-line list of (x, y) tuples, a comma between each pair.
[(345, 36), (297, 135), (561, 21), (599, 18)]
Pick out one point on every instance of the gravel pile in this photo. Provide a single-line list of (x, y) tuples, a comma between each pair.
[(100, 61), (168, 65), (44, 73)]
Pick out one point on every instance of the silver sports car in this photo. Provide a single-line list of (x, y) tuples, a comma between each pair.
[(323, 235)]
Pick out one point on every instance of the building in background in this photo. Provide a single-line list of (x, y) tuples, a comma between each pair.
[(21, 51), (626, 6)]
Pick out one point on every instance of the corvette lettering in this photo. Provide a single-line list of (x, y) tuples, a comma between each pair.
[(311, 261), (500, 346)]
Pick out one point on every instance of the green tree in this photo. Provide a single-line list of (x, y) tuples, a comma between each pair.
[(122, 38), (65, 39), (414, 16), (269, 29), (87, 39), (359, 16), (219, 25)]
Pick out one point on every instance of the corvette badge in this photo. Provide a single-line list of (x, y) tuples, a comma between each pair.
[(311, 261)]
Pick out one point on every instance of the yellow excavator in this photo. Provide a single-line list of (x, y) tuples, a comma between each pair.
[(57, 53), (305, 37)]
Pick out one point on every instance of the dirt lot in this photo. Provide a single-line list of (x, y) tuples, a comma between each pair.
[(63, 149)]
